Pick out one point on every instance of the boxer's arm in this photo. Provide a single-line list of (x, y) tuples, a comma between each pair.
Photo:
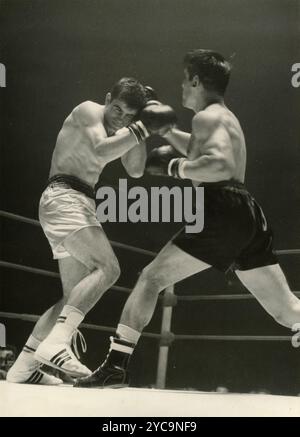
[(215, 163), (113, 147), (134, 160), (87, 116), (212, 167), (179, 140)]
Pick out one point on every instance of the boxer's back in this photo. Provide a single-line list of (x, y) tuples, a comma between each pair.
[(224, 136)]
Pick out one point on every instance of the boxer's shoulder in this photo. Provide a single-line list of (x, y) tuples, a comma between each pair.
[(206, 119), (204, 124), (88, 112)]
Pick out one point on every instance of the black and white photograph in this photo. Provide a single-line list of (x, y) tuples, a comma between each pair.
[(150, 211)]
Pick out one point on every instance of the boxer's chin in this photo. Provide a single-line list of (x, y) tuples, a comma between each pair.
[(110, 130)]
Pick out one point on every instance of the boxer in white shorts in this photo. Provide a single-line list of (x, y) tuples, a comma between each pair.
[(87, 263)]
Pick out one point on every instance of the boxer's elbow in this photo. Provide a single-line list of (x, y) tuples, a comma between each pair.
[(222, 168), (135, 172), (133, 168)]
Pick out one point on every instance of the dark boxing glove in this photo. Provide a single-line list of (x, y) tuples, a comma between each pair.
[(165, 161), (158, 118), (150, 93), (154, 118)]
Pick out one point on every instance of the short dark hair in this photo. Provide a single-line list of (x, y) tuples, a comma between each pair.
[(212, 69), (131, 91)]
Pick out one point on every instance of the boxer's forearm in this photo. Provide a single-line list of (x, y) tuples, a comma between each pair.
[(179, 140), (134, 160), (116, 146), (207, 169)]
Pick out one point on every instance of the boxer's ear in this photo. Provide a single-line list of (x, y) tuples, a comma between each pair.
[(195, 81), (107, 99)]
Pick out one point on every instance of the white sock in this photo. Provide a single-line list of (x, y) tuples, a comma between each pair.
[(128, 334), (125, 340), (66, 324)]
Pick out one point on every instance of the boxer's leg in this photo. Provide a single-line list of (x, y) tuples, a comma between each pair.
[(26, 367), (171, 265), (269, 285), (47, 320), (91, 248), (91, 253)]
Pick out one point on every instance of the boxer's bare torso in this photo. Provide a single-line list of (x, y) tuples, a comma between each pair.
[(86, 141), (75, 153)]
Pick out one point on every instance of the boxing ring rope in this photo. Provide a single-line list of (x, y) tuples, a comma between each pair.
[(168, 299), (192, 298), (34, 318), (48, 273)]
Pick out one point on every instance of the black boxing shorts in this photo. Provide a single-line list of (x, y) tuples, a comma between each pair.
[(236, 235)]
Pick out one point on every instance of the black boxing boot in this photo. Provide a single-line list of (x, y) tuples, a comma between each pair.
[(113, 372)]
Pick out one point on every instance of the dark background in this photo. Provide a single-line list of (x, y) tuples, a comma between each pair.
[(59, 53)]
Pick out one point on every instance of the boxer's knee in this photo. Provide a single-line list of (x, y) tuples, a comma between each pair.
[(108, 266), (112, 271), (109, 269), (102, 278), (152, 280)]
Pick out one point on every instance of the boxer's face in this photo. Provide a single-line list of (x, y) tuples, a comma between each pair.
[(117, 114)]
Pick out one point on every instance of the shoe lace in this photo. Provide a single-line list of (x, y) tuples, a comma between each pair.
[(78, 339)]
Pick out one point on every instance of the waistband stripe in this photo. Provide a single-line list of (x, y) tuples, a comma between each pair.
[(73, 182)]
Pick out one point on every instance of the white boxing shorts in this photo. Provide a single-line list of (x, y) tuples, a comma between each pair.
[(62, 212)]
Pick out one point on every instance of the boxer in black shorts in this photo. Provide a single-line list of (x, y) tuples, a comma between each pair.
[(236, 234)]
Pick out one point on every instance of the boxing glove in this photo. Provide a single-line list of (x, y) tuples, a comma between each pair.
[(165, 161), (154, 119), (150, 93), (158, 118)]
